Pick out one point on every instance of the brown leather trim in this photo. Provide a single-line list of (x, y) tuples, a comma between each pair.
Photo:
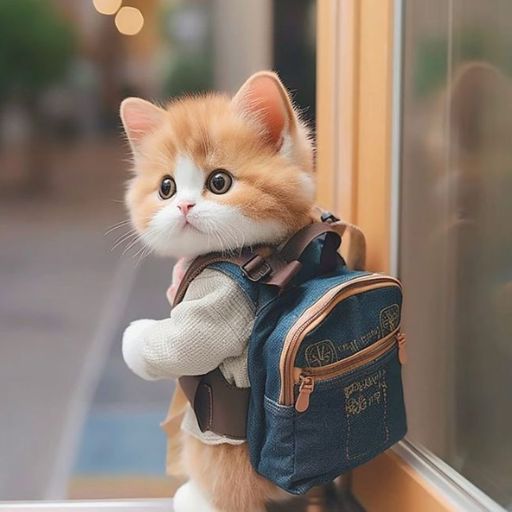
[(299, 242), (196, 267), (354, 248), (219, 406)]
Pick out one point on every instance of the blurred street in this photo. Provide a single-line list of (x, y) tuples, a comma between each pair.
[(74, 421), (58, 270)]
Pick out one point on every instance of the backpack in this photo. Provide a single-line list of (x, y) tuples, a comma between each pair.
[(325, 359)]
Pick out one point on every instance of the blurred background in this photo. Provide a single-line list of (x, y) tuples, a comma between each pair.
[(74, 422)]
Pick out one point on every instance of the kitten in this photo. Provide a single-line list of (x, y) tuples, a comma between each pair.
[(213, 173)]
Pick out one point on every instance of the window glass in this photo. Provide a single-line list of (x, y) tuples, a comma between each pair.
[(456, 237)]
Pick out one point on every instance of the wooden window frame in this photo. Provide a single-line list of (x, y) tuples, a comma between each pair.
[(354, 92)]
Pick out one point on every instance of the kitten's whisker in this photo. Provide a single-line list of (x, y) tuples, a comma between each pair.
[(145, 253), (116, 226), (124, 238), (139, 251), (234, 239), (208, 235), (218, 237), (216, 230), (132, 244), (123, 235)]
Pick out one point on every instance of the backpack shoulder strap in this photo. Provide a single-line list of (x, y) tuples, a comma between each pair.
[(200, 264), (218, 406), (353, 249), (273, 268), (250, 288)]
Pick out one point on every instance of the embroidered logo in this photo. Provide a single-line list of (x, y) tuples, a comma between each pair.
[(321, 353), (389, 319), (366, 412)]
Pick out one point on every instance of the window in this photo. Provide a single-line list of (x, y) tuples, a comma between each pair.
[(455, 235)]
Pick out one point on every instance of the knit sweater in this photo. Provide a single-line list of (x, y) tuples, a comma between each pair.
[(210, 328)]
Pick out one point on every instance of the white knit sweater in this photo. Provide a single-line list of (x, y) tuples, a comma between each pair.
[(209, 328)]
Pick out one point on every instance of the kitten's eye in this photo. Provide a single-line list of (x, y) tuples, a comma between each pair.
[(167, 187), (219, 181)]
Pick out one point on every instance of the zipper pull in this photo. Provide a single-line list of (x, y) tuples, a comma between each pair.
[(402, 353), (306, 387)]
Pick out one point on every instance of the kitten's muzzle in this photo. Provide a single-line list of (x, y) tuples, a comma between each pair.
[(185, 206)]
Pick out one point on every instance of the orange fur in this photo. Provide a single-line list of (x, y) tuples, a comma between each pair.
[(207, 129), (225, 475)]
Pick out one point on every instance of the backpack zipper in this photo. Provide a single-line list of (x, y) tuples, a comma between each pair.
[(307, 377), (311, 318)]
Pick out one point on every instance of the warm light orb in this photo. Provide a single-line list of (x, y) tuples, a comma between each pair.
[(129, 21), (107, 6)]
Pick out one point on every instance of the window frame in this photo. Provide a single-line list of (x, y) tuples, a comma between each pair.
[(358, 138)]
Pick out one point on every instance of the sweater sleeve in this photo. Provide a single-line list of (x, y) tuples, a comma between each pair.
[(211, 324)]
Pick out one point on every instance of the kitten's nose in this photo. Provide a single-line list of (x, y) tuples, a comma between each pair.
[(185, 206)]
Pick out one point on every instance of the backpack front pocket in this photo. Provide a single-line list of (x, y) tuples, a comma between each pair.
[(276, 455), (351, 416), (313, 318)]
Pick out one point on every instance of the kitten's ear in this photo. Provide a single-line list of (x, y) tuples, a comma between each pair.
[(140, 117), (264, 98)]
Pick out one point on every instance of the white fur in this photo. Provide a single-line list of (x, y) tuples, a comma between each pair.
[(307, 185), (189, 181), (306, 179), (133, 347), (287, 145), (209, 226), (188, 498)]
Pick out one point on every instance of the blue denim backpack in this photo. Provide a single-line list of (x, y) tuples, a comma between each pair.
[(324, 361)]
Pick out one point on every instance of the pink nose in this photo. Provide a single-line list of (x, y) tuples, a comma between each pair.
[(185, 206)]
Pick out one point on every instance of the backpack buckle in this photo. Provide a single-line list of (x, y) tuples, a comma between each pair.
[(329, 217), (256, 268)]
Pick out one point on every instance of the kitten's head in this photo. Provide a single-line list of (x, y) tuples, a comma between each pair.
[(213, 173)]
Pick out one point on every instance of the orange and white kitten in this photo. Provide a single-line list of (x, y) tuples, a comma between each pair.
[(213, 173)]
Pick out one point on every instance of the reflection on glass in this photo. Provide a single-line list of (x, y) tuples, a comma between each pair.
[(456, 235)]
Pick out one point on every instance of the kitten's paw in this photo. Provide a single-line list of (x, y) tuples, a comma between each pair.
[(133, 347), (188, 498)]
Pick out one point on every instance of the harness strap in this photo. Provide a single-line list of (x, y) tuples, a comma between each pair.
[(219, 406), (275, 269), (197, 266)]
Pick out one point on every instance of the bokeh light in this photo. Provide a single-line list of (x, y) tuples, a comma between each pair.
[(108, 7), (129, 21)]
